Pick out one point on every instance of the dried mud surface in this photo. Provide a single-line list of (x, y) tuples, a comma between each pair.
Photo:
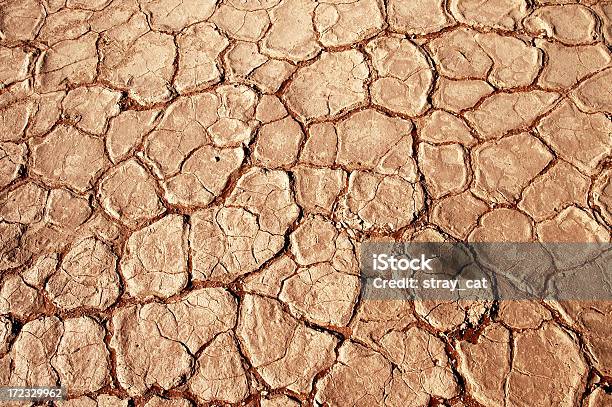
[(185, 186)]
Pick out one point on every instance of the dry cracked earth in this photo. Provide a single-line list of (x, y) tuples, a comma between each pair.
[(185, 186)]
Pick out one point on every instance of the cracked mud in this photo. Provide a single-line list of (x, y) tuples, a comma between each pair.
[(185, 186)]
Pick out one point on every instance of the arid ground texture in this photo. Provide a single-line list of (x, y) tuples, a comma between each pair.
[(185, 186)]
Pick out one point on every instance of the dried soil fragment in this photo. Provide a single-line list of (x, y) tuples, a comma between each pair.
[(405, 76), (157, 401), (270, 109), (267, 194), (418, 17), (87, 277), (145, 357), (581, 139), (6, 331), (88, 4), (500, 14), (519, 111), (155, 343), (313, 241), (269, 280), (67, 62), (572, 225), (317, 188), (69, 157), (155, 259), (321, 146), (440, 127), (12, 161), (374, 318), (458, 55), (174, 15), (458, 214), (126, 132), (423, 369), (292, 34), (14, 64), (10, 245), (91, 108), (515, 63), (24, 204), (605, 12), (444, 168), (82, 359), (103, 400), (138, 60), (359, 378), (229, 242), (19, 299), (572, 24), (381, 201), (599, 398), (128, 194), (332, 84), (204, 174), (20, 19), (341, 23), (547, 369), (602, 195), (523, 314), (282, 350), (451, 315), (560, 186), (321, 294), (502, 225), (32, 351), (236, 111), (280, 401), (245, 25), (278, 143), (199, 48), (592, 319), (567, 66), (198, 317), (219, 373), (370, 140), (40, 270), (65, 24), (457, 95), (181, 131), (486, 365), (503, 168), (593, 95)]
